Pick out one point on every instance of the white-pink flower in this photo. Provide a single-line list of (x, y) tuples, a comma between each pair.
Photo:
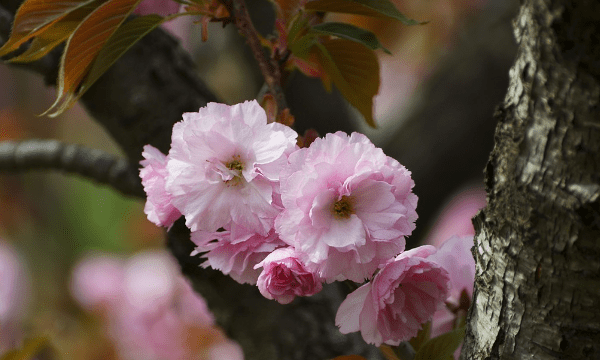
[(224, 166), (400, 298), (284, 277), (347, 206), (158, 201), (235, 251)]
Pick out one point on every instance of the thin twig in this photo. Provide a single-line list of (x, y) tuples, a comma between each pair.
[(104, 168), (269, 67)]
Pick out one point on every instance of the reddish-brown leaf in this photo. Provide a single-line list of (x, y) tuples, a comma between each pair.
[(34, 16), (88, 39), (55, 33), (287, 8), (354, 69), (387, 351), (84, 45)]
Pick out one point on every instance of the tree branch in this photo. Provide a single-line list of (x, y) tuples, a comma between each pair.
[(268, 67), (104, 168)]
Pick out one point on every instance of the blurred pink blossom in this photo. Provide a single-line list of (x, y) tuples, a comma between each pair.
[(158, 202), (401, 297), (224, 166), (97, 281), (284, 277), (455, 218), (150, 309), (347, 206), (14, 296), (235, 251)]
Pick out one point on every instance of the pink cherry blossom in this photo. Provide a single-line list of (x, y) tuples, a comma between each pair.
[(400, 298), (235, 251), (224, 166), (347, 206), (97, 281), (158, 202), (455, 256), (455, 217), (14, 296), (284, 277)]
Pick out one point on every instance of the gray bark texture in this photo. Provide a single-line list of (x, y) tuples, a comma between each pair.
[(537, 248)]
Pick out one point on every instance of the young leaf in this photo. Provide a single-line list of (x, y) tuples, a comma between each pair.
[(354, 69), (387, 351), (121, 40), (441, 347), (373, 8), (84, 45), (55, 33), (350, 32), (422, 336), (34, 16)]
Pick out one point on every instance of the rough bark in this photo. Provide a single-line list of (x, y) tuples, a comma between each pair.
[(537, 246)]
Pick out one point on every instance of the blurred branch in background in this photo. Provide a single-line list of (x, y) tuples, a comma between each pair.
[(34, 154)]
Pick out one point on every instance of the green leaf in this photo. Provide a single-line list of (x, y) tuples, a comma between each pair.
[(373, 8), (441, 347), (301, 47), (30, 348), (422, 336), (349, 32), (354, 69)]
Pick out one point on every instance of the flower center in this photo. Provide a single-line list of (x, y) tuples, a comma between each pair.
[(343, 207), (236, 166)]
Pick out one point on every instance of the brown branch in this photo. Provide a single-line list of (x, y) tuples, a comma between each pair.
[(268, 66), (104, 168)]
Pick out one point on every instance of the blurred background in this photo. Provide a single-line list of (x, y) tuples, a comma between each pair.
[(71, 251)]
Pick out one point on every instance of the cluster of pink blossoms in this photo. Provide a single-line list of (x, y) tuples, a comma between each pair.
[(288, 219), (149, 309)]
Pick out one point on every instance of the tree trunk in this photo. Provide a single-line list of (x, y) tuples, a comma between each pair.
[(537, 246)]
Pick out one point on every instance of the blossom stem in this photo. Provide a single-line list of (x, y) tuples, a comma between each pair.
[(36, 154), (268, 66)]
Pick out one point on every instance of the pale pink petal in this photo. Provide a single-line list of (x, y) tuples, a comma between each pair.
[(348, 314), (346, 206), (401, 297), (215, 173)]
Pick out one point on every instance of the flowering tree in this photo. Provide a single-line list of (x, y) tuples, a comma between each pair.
[(526, 234)]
